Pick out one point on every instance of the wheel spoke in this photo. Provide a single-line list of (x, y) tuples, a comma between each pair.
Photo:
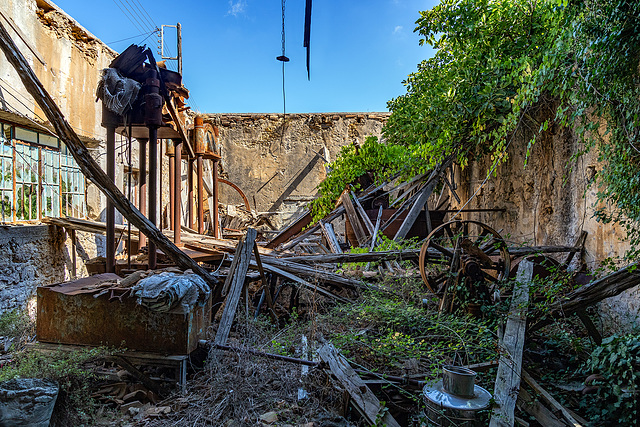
[(441, 249)]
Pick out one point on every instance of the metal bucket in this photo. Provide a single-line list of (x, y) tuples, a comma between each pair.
[(458, 381), (455, 399)]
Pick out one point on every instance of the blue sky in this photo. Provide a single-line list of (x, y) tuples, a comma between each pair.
[(360, 50)]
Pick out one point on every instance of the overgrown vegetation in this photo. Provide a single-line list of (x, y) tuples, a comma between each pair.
[(373, 157), (617, 363), (497, 64), (72, 370), (497, 60)]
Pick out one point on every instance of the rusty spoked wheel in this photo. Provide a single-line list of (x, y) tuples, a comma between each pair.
[(468, 252)]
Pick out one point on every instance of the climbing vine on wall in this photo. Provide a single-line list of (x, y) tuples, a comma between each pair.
[(373, 157)]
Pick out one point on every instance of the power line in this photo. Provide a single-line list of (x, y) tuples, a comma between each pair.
[(133, 37), (125, 14), (142, 21)]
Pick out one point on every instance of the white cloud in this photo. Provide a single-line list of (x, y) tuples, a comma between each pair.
[(236, 7), (397, 29)]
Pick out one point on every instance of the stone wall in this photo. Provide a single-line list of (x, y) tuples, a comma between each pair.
[(31, 256), (548, 200), (68, 60), (279, 171)]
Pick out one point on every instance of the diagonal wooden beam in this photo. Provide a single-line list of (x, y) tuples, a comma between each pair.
[(88, 165)]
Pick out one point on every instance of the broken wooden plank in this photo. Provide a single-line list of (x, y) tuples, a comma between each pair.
[(363, 214), (591, 328), (361, 396), (265, 284), (316, 273), (88, 165), (243, 255), (327, 230), (579, 244), (291, 230), (592, 293), (511, 348), (549, 399), (351, 257), (422, 199), (533, 407), (354, 220), (234, 264), (374, 235), (303, 282)]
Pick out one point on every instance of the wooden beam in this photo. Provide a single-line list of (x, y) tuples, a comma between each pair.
[(592, 293), (243, 257), (327, 230), (533, 407), (361, 396), (88, 165), (265, 284), (550, 399), (422, 199), (511, 348), (356, 225)]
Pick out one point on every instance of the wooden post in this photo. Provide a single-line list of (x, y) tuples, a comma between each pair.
[(511, 348), (88, 165), (238, 276)]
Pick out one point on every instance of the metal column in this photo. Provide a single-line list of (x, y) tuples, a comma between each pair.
[(111, 211), (177, 190), (153, 194), (142, 185), (199, 149), (216, 227), (172, 196), (153, 119), (190, 197)]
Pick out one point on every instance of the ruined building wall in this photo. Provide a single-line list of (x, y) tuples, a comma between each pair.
[(67, 59), (549, 202), (279, 172)]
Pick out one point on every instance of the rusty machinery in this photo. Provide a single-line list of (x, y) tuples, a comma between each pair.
[(464, 257), (153, 115)]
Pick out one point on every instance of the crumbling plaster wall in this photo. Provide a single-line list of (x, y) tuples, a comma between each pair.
[(31, 256), (67, 59), (279, 172), (548, 200)]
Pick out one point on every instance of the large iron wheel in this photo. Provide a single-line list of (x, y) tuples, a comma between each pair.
[(463, 251)]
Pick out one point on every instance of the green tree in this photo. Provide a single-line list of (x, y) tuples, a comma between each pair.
[(497, 61)]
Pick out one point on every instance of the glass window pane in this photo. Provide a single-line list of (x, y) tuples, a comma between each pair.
[(26, 135)]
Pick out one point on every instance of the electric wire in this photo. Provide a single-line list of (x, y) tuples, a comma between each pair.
[(138, 14), (13, 110), (125, 14), (133, 37)]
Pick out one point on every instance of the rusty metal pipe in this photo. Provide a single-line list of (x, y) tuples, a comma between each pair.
[(153, 193), (190, 219), (172, 195), (110, 214), (200, 195), (142, 184), (177, 190), (216, 195)]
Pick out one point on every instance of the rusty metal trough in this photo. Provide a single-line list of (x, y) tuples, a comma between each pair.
[(70, 313)]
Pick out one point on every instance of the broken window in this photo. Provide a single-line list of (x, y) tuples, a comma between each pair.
[(38, 177)]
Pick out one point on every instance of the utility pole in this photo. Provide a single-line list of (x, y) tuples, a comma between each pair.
[(178, 58)]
